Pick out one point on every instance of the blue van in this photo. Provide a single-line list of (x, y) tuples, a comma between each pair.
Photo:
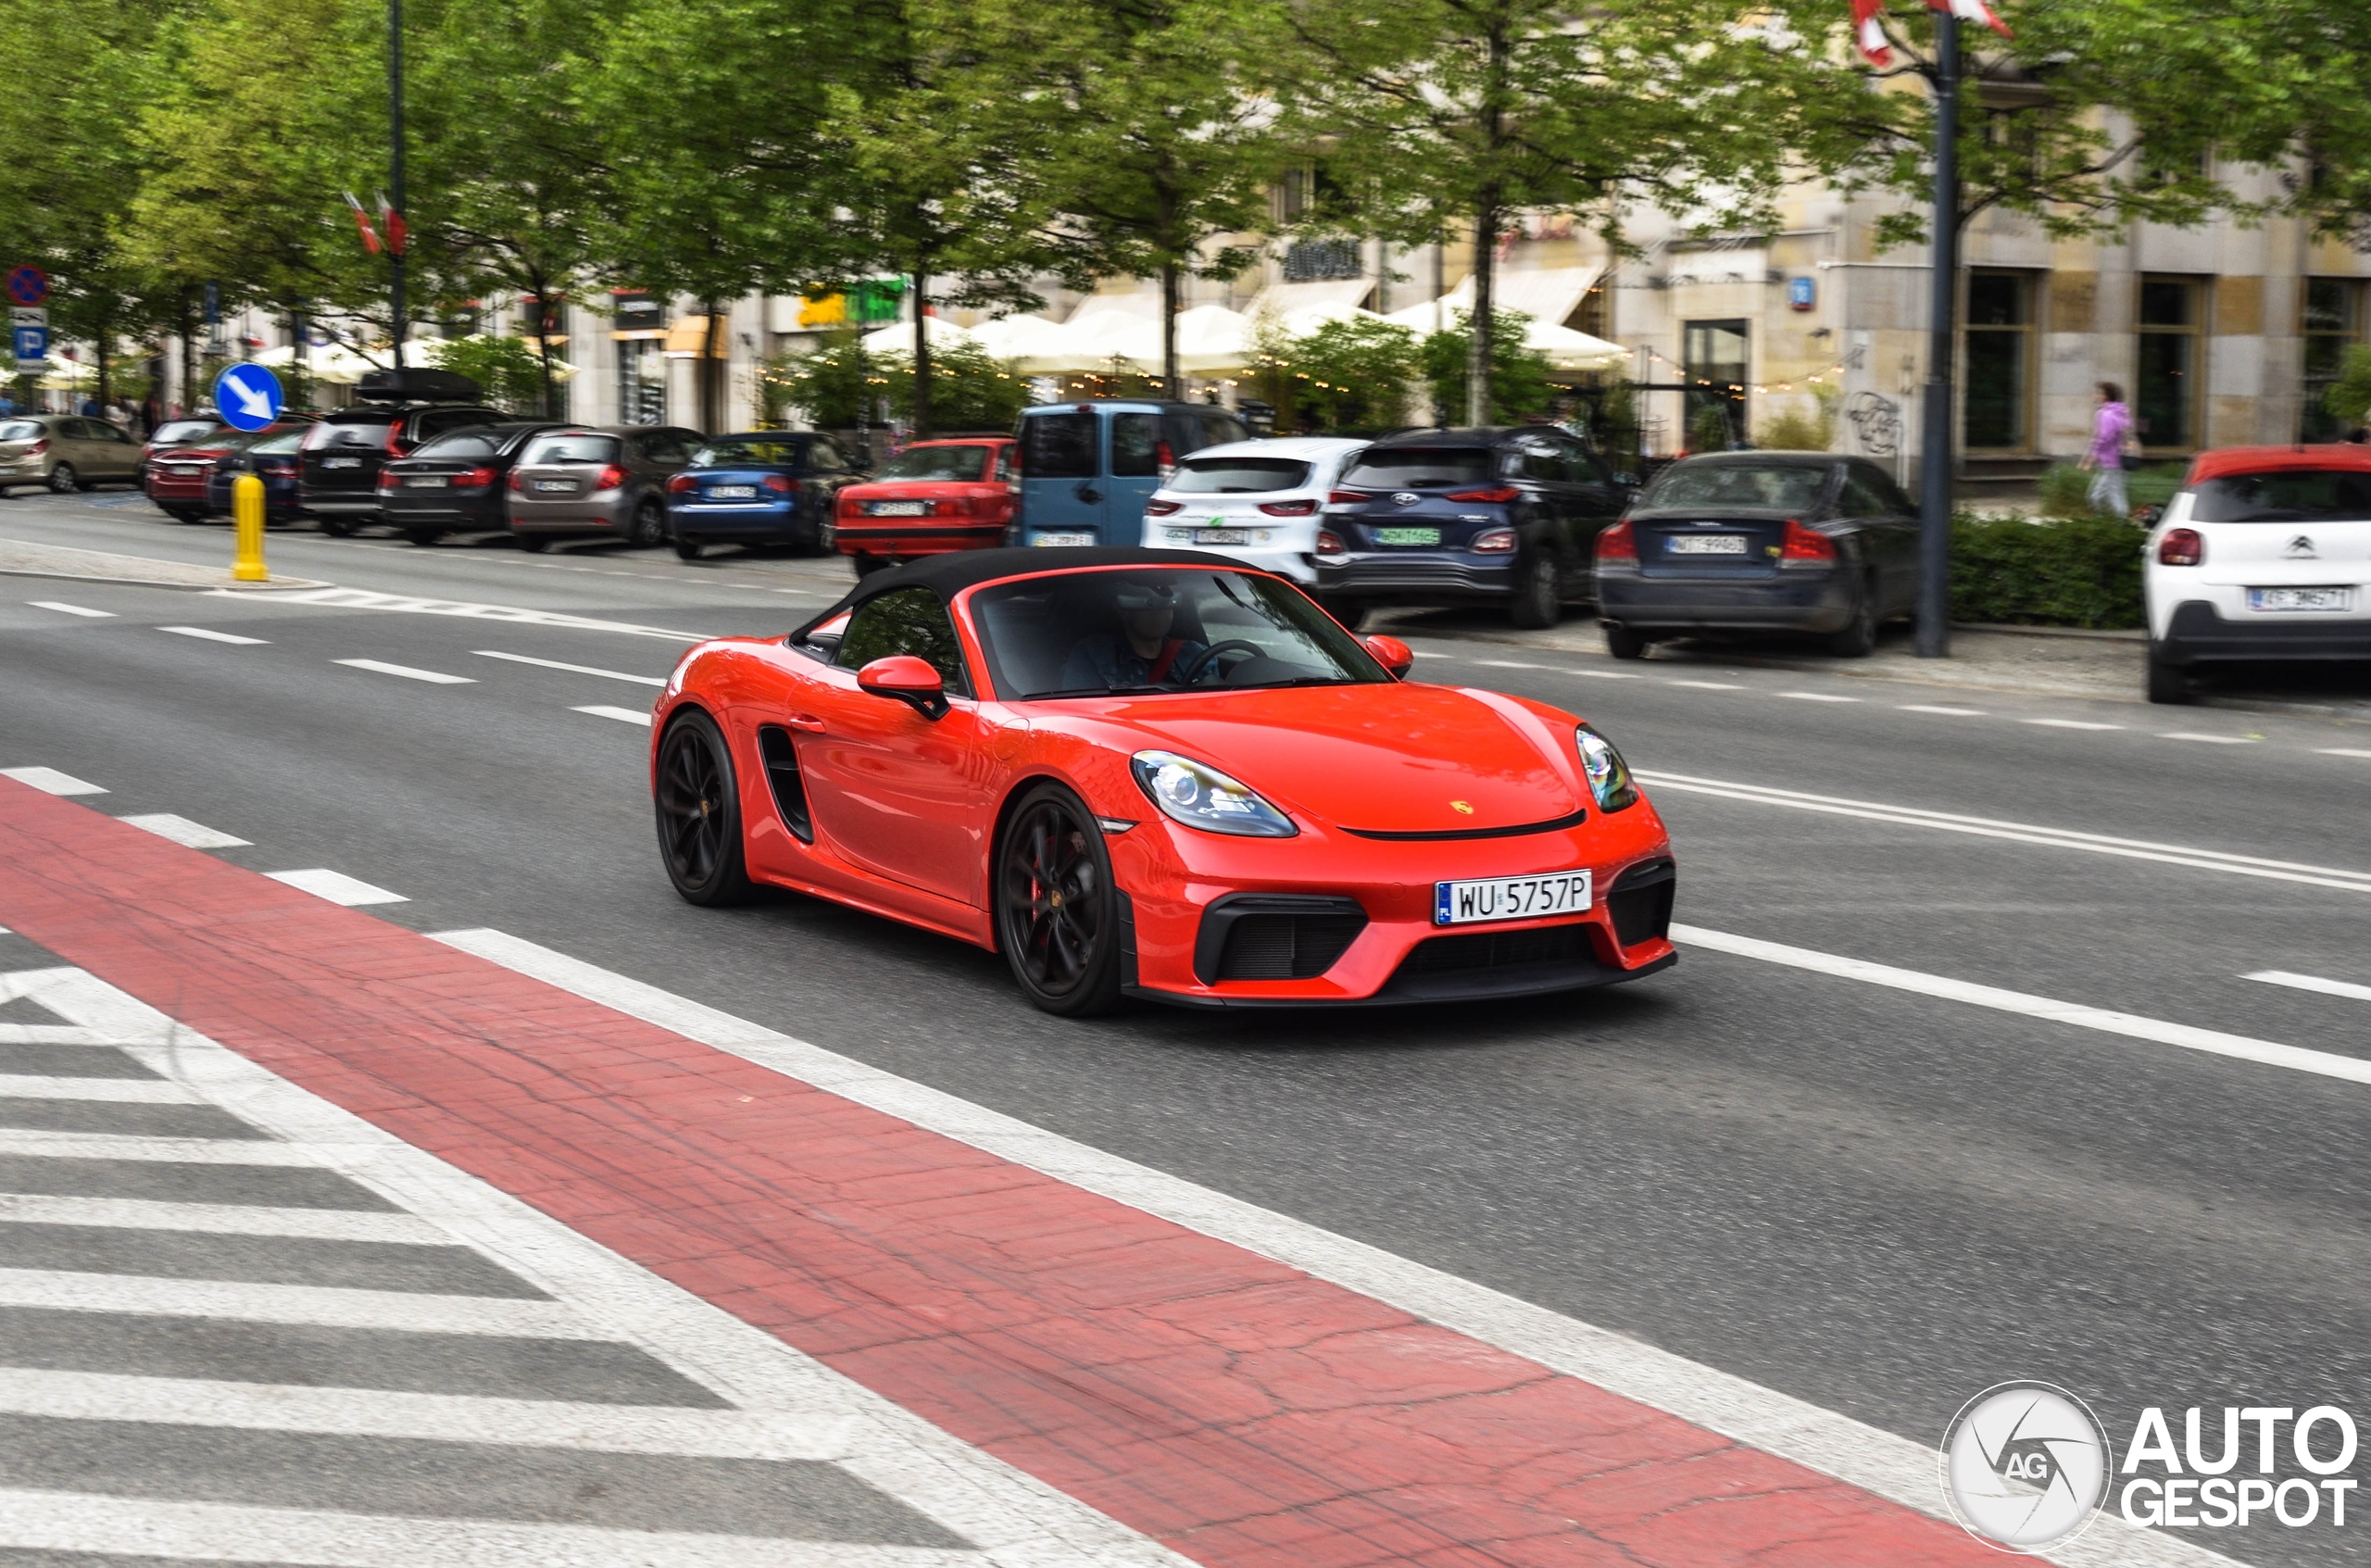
[(1088, 468)]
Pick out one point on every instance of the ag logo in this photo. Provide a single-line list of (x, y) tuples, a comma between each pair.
[(2024, 1465), (1406, 498)]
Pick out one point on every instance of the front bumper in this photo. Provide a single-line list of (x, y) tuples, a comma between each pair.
[(2199, 633), (1412, 577), (1182, 885), (1819, 602)]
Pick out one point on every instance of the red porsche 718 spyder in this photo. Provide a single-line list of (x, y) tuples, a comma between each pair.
[(1155, 773)]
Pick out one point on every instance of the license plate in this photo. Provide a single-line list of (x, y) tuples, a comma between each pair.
[(181, 471), (732, 492), (2300, 598), (341, 462), (1408, 536), (556, 486), (1058, 541), (428, 482), (1707, 545), (899, 509), (1510, 897), (1220, 536)]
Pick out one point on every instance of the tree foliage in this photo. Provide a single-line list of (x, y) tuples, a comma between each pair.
[(1345, 377), (1519, 383)]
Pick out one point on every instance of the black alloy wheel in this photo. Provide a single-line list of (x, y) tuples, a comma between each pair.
[(1540, 591), (649, 524), (700, 813), (1057, 913), (61, 479), (1859, 637)]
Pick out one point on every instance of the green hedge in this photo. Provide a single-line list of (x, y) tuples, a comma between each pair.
[(2062, 571)]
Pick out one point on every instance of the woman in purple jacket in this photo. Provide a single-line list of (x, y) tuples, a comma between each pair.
[(2111, 428)]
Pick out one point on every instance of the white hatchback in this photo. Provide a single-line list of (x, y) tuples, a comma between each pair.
[(1256, 501), (2263, 554)]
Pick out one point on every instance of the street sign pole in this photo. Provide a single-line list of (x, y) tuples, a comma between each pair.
[(396, 246), (1934, 459)]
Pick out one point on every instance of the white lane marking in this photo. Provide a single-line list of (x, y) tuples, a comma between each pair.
[(46, 1034), (2022, 833), (63, 609), (337, 888), (1835, 1445), (2072, 725), (209, 635), (2341, 751), (1938, 708), (1507, 664), (1023, 1522), (436, 677), (623, 715), (220, 1219), (320, 1305), (2313, 983), (574, 669), (452, 1418), (1818, 697), (1606, 674), (116, 1091), (23, 1141), (2209, 740), (364, 598), (1707, 685), (2214, 1042), (51, 780), (72, 1521), (180, 830)]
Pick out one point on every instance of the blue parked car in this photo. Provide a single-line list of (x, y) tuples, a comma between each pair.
[(276, 461), (761, 487), (1088, 468)]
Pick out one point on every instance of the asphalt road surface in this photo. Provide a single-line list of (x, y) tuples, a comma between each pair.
[(1873, 1197)]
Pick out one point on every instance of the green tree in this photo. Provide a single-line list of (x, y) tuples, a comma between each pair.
[(970, 389), (2349, 397), (1345, 376), (1519, 384)]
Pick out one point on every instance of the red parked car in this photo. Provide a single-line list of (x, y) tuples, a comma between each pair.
[(931, 499), (175, 477)]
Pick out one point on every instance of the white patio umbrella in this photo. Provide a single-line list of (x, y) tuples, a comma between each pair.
[(1565, 349), (898, 337), (1022, 338), (1211, 337)]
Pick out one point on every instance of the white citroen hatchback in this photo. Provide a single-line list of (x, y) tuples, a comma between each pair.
[(2264, 553), (1256, 501)]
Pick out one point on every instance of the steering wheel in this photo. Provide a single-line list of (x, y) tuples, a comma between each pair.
[(1202, 662)]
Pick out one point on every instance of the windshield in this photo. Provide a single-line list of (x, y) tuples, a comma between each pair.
[(754, 453), (571, 449), (936, 462), (2288, 495), (173, 432), (279, 445), (1421, 468), (1089, 633), (19, 430), (1786, 487), (1237, 476), (463, 443)]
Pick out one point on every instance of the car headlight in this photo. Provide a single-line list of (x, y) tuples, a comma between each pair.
[(1609, 776), (1201, 796)]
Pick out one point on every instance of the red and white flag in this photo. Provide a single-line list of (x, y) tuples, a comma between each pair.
[(1869, 33), (362, 223), (1971, 11), (398, 231)]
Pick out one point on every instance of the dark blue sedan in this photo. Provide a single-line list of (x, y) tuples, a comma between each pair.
[(761, 487), (276, 462)]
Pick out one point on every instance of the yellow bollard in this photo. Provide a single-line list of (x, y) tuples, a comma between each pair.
[(246, 511)]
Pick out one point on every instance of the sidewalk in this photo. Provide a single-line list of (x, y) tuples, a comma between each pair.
[(20, 557)]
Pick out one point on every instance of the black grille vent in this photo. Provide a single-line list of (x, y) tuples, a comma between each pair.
[(1275, 937), (1498, 949), (1640, 902), (781, 772)]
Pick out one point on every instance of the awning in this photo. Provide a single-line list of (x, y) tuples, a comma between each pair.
[(688, 337), (1546, 295), (1291, 300)]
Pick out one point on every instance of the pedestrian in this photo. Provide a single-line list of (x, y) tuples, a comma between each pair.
[(91, 409), (2104, 458)]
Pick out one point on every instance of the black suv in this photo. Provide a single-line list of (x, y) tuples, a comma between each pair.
[(1445, 517), (394, 413)]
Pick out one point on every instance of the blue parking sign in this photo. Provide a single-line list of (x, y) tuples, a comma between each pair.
[(32, 343), (247, 396)]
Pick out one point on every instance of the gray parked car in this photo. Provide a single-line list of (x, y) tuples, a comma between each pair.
[(605, 482), (65, 451)]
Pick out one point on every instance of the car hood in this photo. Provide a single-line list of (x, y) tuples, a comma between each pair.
[(1395, 758)]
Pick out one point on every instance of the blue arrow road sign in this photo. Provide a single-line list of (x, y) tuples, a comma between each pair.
[(32, 343), (247, 396)]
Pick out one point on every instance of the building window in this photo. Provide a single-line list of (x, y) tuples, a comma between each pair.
[(1594, 315), (2165, 401), (637, 312), (1713, 356), (2000, 362), (642, 381), (1309, 261), (2333, 322)]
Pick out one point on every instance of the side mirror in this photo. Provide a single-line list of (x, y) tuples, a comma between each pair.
[(909, 680), (1391, 653)]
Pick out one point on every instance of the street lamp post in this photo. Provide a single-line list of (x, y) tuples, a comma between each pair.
[(395, 243), (1935, 462)]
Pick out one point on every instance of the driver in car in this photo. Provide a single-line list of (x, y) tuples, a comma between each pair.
[(1142, 653)]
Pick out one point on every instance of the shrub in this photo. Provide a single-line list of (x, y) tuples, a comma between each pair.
[(2065, 490), (1797, 432), (2072, 572), (1349, 375), (1519, 383)]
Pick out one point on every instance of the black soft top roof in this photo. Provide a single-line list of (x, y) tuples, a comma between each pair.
[(948, 575)]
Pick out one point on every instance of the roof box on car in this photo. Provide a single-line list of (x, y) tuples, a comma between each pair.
[(418, 386)]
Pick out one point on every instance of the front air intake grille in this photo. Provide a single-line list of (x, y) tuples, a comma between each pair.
[(1275, 937), (1474, 950), (1641, 901)]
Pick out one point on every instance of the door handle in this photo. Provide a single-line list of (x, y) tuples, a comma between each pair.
[(1088, 492), (803, 722)]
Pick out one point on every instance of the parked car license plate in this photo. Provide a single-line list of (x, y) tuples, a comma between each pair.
[(2300, 598), (428, 482), (1408, 535), (1058, 541), (1510, 897), (341, 462), (556, 486), (1222, 536), (899, 509), (185, 470), (1707, 545), (732, 492)]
